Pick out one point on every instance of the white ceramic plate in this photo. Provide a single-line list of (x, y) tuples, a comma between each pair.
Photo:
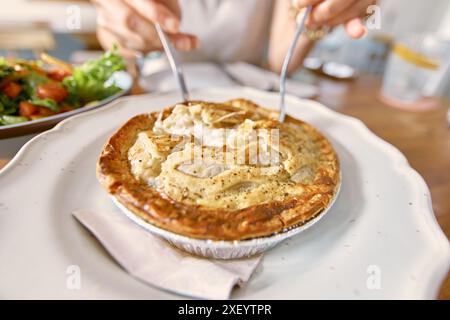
[(122, 79), (379, 240)]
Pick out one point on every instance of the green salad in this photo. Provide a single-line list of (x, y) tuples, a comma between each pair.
[(35, 89)]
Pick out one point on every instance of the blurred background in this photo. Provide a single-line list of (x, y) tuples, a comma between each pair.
[(412, 42)]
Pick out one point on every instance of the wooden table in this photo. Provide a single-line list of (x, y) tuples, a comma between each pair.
[(423, 137)]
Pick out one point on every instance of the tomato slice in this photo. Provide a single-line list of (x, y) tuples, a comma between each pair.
[(66, 109), (52, 90), (27, 109), (58, 74), (12, 90), (43, 111)]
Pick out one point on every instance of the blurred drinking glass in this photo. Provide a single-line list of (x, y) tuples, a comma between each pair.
[(418, 67)]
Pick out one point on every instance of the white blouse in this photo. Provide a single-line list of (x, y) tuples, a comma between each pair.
[(228, 30)]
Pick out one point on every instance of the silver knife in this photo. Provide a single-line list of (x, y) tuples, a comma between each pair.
[(287, 59), (173, 61)]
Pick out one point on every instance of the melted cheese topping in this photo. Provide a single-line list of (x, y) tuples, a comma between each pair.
[(223, 157)]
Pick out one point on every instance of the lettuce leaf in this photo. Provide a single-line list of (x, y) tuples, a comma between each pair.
[(5, 68), (5, 120), (89, 81), (48, 103)]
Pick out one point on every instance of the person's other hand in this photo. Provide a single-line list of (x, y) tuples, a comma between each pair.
[(336, 12), (130, 25)]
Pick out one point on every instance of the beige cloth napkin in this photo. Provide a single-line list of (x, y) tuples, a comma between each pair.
[(154, 261)]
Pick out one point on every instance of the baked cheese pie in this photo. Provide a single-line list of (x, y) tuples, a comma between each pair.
[(220, 171)]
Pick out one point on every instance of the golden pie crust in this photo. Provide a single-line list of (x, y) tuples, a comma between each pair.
[(147, 165)]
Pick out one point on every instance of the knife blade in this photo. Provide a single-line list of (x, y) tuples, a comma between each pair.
[(175, 65)]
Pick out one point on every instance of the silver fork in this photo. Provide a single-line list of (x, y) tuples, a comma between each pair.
[(287, 59)]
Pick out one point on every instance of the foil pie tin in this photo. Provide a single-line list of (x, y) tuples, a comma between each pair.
[(225, 250)]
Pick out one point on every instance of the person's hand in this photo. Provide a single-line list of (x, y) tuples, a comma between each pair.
[(130, 25), (332, 13)]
